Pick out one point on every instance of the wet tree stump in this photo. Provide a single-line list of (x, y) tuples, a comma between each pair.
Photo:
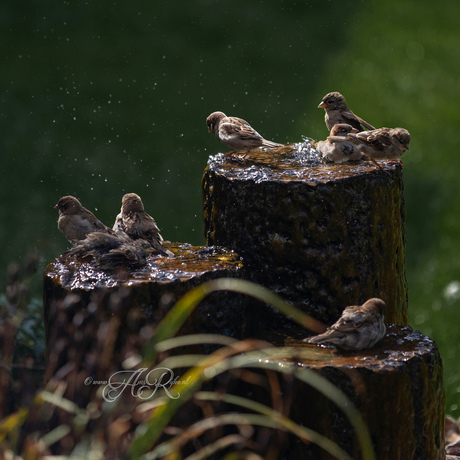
[(397, 386), (74, 290), (323, 236)]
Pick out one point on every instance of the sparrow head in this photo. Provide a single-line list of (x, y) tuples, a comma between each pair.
[(68, 205), (213, 121), (342, 129), (131, 202), (403, 137), (375, 305), (333, 101)]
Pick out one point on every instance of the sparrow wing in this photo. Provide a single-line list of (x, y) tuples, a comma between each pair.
[(379, 139), (90, 217), (150, 227), (238, 127), (141, 225), (352, 319), (355, 121), (131, 224), (347, 325)]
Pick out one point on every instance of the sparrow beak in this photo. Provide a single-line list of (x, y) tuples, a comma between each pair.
[(406, 146), (354, 131), (55, 206), (323, 104), (209, 130)]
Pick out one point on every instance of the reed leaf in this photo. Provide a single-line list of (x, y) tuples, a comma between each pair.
[(223, 360)]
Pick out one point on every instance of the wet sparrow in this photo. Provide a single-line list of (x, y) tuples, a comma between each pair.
[(134, 222), (111, 251), (382, 143), (338, 150), (236, 133), (359, 327), (75, 221), (337, 112)]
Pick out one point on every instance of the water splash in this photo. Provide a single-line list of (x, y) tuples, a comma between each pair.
[(399, 345), (188, 261), (292, 161)]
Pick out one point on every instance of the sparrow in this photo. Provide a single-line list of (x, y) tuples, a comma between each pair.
[(236, 133), (336, 148), (111, 251), (382, 143), (337, 112), (359, 327), (451, 430), (75, 221), (134, 222)]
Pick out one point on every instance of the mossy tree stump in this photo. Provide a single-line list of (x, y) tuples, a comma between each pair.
[(74, 292), (322, 236), (397, 386), (326, 236)]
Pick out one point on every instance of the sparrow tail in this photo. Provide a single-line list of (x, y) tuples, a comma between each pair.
[(270, 144)]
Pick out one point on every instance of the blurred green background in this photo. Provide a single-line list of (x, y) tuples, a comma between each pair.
[(101, 98)]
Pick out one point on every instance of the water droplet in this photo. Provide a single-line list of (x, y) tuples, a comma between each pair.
[(452, 290)]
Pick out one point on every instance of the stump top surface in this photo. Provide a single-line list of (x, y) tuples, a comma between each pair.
[(188, 262), (400, 345), (293, 162)]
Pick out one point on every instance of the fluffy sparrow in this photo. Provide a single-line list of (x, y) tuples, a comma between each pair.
[(359, 327), (336, 148), (382, 143), (134, 222), (111, 251), (236, 133), (451, 430), (75, 221), (337, 112)]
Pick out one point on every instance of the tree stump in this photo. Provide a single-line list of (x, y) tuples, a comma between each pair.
[(323, 236), (397, 386), (149, 293)]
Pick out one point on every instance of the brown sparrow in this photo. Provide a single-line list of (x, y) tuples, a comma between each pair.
[(236, 133), (110, 251), (382, 143), (134, 222), (337, 112), (75, 221), (359, 327), (336, 148)]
